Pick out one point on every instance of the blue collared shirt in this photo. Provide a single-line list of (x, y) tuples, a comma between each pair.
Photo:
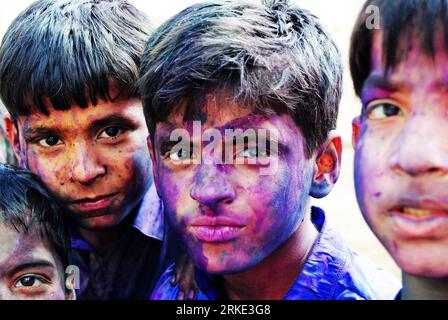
[(332, 272), (129, 269)]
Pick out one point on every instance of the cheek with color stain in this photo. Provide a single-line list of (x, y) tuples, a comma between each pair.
[(262, 203)]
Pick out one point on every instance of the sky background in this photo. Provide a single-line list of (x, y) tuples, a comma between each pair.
[(338, 18)]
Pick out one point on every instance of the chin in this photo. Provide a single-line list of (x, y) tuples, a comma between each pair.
[(422, 261), (431, 269), (100, 223), (218, 268), (226, 267), (222, 270)]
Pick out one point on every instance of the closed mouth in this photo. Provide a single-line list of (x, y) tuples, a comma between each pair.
[(215, 233), (91, 205), (94, 199)]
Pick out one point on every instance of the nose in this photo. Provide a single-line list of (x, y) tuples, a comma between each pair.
[(85, 167), (421, 148), (211, 186)]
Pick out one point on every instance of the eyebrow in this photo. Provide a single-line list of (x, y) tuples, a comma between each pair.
[(238, 123), (96, 124), (243, 122), (40, 131), (103, 122), (30, 265), (164, 137), (383, 82), (165, 143)]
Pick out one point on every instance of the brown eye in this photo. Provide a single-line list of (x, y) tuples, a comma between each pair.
[(29, 281), (50, 141), (383, 111), (111, 132)]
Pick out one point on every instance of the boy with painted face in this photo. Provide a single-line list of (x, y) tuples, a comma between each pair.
[(67, 77), (269, 69), (401, 165), (34, 244)]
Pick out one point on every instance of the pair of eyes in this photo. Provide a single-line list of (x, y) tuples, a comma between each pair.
[(108, 133), (382, 110), (248, 152)]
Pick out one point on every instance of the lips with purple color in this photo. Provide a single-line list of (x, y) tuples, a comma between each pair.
[(215, 229), (92, 207), (420, 219)]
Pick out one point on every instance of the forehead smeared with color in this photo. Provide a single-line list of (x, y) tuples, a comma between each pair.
[(268, 54)]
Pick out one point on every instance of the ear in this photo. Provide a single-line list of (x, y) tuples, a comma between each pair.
[(356, 129), (70, 293), (154, 162), (327, 166), (12, 134)]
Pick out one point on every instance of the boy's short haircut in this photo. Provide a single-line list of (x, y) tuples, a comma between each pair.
[(71, 52), (400, 21), (272, 56), (26, 206)]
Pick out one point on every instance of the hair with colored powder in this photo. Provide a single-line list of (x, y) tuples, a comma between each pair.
[(26, 205), (271, 55), (71, 52), (401, 21)]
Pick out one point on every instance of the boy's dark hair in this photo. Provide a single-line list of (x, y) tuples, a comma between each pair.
[(272, 56), (26, 205), (71, 52), (400, 21)]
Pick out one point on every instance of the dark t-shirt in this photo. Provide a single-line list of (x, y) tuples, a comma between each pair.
[(131, 266), (128, 271)]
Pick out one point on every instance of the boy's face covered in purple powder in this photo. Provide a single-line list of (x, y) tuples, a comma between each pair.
[(229, 216), (401, 165)]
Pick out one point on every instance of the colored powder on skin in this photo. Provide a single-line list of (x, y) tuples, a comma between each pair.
[(223, 255)]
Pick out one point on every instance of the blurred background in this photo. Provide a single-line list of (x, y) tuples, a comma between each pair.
[(338, 18)]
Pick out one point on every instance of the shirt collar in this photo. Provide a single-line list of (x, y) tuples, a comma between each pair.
[(149, 220), (324, 264)]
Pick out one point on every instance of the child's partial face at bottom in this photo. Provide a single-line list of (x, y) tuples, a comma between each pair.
[(401, 161), (28, 268)]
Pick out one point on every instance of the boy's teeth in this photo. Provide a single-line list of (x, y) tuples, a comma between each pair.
[(417, 212)]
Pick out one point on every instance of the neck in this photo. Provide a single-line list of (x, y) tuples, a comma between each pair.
[(420, 288), (262, 282), (102, 240)]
